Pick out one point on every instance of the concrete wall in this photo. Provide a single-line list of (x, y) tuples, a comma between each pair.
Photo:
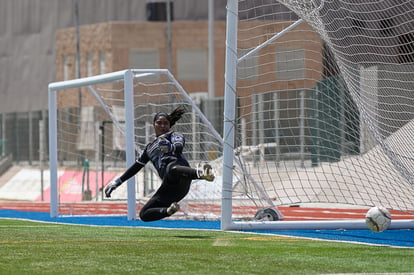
[(27, 40)]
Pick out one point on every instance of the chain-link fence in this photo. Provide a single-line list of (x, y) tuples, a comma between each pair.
[(20, 136)]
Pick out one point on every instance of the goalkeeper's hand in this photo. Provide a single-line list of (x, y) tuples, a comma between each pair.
[(165, 146), (111, 187)]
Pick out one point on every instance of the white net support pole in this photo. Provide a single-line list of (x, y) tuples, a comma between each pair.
[(229, 113), (130, 145), (351, 224), (54, 208)]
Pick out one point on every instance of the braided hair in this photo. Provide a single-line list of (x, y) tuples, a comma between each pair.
[(173, 117)]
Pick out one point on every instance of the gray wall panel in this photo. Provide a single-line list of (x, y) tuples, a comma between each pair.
[(27, 37)]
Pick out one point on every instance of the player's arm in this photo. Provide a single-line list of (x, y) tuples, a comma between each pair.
[(177, 139), (174, 146), (130, 172)]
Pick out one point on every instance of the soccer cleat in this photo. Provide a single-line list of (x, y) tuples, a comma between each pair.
[(110, 188), (174, 207), (207, 173)]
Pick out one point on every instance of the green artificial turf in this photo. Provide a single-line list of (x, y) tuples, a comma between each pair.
[(45, 248)]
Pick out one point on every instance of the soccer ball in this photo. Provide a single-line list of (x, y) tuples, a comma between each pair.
[(378, 218)]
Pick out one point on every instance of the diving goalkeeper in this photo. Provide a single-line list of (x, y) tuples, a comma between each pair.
[(165, 153)]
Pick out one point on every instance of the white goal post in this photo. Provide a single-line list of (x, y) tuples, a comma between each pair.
[(325, 89), (53, 132), (121, 99)]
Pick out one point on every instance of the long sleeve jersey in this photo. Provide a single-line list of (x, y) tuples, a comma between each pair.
[(159, 159)]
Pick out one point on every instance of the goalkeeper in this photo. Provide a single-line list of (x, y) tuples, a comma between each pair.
[(165, 153)]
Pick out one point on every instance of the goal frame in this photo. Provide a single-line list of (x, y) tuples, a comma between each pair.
[(128, 77), (230, 88), (56, 86)]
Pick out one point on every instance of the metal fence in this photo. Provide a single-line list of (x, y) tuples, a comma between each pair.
[(21, 135)]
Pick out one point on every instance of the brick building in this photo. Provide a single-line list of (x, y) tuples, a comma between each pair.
[(115, 46)]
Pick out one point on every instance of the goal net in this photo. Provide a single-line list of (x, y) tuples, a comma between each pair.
[(319, 105), (99, 125)]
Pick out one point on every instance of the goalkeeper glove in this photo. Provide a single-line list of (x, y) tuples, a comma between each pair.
[(165, 146), (111, 187)]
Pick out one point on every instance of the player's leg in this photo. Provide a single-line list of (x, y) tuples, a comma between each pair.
[(174, 188), (164, 203), (206, 173), (177, 170), (156, 209)]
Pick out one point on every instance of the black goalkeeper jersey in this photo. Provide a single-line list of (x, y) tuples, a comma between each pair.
[(159, 159)]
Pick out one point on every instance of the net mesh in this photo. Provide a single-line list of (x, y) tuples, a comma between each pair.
[(92, 142), (325, 105)]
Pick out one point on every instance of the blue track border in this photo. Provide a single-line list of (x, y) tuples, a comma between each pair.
[(393, 238)]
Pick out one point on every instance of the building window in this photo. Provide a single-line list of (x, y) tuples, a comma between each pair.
[(406, 48), (65, 67), (89, 65), (77, 69), (248, 68), (290, 64), (102, 68), (144, 59), (192, 64)]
